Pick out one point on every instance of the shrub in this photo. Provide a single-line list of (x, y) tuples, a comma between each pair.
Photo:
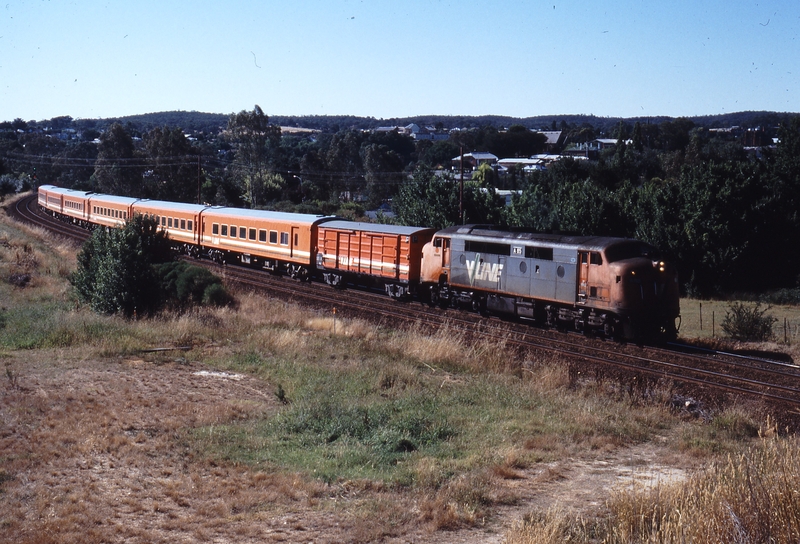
[(115, 272), (130, 271), (183, 284), (748, 323)]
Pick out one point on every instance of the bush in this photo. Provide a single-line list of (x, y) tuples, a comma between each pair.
[(183, 284), (115, 268), (748, 323), (783, 296), (130, 271)]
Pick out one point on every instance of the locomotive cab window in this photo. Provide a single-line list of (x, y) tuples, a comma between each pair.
[(487, 247), (595, 258), (541, 253)]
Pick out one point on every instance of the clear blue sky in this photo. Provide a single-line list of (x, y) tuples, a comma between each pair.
[(89, 59)]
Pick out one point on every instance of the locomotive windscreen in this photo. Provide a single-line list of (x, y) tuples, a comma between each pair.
[(631, 250)]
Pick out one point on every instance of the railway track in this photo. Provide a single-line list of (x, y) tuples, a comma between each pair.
[(710, 373)]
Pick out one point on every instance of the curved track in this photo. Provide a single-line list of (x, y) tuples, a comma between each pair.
[(715, 373)]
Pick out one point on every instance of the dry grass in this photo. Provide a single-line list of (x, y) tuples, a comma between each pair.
[(750, 497)]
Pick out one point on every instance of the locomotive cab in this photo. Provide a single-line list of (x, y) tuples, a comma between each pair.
[(644, 289)]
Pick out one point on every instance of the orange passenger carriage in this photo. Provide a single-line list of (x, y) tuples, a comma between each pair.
[(109, 210), (67, 203), (180, 221), (276, 241), (387, 256)]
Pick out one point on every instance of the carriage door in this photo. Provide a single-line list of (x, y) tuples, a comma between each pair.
[(583, 276), (294, 241)]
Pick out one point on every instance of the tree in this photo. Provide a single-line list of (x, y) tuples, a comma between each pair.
[(384, 173), (255, 141), (344, 163), (115, 273), (427, 200), (174, 173), (119, 169), (432, 200)]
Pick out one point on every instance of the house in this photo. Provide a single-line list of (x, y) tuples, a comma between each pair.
[(473, 160), (555, 139)]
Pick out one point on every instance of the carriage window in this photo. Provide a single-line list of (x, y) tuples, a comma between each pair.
[(214, 228), (169, 222), (273, 237), (183, 224), (252, 234), (296, 239), (224, 230), (233, 231), (262, 235), (242, 232), (163, 221), (284, 238), (124, 215), (189, 225)]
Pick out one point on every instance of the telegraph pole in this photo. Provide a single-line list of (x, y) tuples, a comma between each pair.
[(461, 187), (199, 201)]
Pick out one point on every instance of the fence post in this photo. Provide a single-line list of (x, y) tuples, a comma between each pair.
[(701, 316)]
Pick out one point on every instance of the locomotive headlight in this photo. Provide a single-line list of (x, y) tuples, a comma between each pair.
[(662, 266)]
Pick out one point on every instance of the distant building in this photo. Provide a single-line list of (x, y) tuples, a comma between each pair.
[(555, 140), (416, 132), (474, 160)]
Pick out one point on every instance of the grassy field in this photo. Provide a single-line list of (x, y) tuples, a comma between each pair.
[(270, 426), (703, 319)]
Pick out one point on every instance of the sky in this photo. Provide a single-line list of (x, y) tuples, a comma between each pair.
[(398, 58)]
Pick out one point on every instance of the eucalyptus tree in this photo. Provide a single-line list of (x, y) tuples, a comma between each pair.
[(255, 141), (175, 170), (119, 168)]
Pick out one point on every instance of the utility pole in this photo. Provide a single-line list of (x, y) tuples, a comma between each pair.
[(199, 201), (461, 187)]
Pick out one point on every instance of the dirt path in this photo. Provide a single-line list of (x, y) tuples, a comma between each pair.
[(95, 451)]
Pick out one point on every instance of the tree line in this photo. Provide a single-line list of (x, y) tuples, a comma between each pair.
[(727, 215)]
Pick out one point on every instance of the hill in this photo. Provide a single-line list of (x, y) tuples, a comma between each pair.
[(194, 121)]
